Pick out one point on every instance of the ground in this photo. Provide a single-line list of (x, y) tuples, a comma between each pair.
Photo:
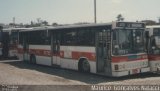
[(22, 73)]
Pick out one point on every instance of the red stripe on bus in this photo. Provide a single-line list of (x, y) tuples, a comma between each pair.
[(88, 55), (127, 59), (40, 52), (20, 50), (154, 57), (75, 55), (62, 54), (13, 46)]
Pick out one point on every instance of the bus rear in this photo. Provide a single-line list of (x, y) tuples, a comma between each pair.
[(128, 51), (153, 47), (10, 43)]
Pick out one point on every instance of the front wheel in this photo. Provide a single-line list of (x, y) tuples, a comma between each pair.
[(85, 66)]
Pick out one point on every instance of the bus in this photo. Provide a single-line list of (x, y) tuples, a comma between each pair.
[(153, 46), (9, 43), (111, 49)]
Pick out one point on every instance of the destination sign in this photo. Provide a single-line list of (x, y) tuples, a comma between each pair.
[(130, 25)]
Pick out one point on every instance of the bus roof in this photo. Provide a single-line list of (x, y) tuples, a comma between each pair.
[(75, 26), (66, 26), (14, 29), (153, 26)]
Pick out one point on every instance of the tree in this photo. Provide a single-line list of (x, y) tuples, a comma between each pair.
[(120, 17), (39, 20), (45, 23), (32, 23), (54, 24)]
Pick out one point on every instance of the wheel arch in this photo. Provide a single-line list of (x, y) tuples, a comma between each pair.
[(80, 60)]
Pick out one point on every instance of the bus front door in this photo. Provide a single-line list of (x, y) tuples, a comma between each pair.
[(55, 46), (101, 51)]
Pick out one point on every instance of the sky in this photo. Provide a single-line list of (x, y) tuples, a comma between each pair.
[(74, 11)]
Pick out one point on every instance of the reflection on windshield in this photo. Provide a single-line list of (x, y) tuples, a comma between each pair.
[(127, 42)]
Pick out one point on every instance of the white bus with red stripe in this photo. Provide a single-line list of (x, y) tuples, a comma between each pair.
[(9, 43), (153, 46), (113, 49)]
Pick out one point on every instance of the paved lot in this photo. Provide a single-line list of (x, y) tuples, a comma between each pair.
[(21, 73)]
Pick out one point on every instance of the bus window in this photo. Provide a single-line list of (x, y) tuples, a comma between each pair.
[(86, 37), (39, 38), (69, 37)]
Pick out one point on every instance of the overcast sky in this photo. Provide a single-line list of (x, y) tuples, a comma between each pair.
[(73, 11)]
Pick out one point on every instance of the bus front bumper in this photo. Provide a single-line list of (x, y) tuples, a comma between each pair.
[(130, 72)]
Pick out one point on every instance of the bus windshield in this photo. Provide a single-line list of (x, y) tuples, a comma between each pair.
[(127, 41)]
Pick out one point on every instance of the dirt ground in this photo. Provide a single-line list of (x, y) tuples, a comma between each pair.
[(22, 73)]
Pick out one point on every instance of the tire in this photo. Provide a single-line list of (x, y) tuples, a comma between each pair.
[(85, 66), (33, 59)]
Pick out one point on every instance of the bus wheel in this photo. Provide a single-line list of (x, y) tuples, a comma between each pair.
[(84, 66), (33, 59)]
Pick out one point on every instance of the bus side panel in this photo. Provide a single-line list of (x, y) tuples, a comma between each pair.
[(20, 52), (154, 62), (43, 60), (42, 54), (70, 55)]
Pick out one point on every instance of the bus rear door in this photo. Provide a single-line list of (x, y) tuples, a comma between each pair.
[(55, 46), (25, 47)]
